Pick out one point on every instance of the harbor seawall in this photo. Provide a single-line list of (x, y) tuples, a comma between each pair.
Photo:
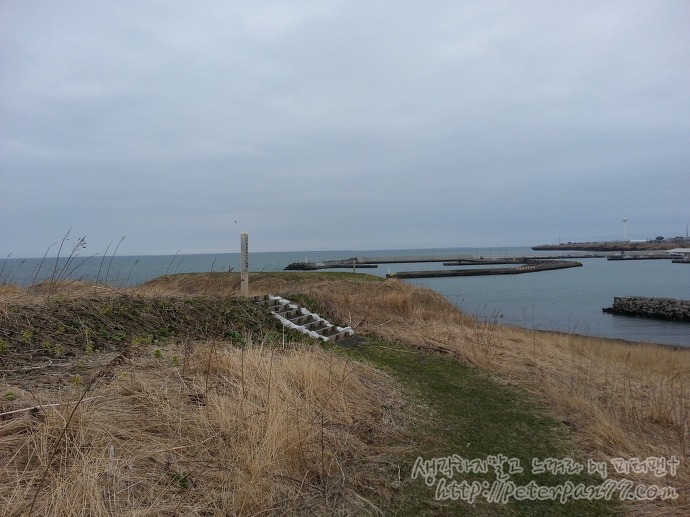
[(657, 308)]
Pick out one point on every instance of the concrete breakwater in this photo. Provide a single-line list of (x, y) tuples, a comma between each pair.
[(517, 260), (313, 266), (531, 266), (656, 308), (447, 260), (369, 262), (639, 257)]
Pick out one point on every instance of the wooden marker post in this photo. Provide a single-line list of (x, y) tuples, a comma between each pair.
[(244, 259)]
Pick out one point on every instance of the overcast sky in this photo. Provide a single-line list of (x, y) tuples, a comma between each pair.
[(325, 125)]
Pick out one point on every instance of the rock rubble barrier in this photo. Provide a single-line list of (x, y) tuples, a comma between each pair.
[(656, 308)]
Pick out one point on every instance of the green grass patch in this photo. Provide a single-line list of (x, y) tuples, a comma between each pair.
[(69, 327), (476, 418)]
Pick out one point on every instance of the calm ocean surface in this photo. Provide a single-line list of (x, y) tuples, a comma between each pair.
[(568, 300)]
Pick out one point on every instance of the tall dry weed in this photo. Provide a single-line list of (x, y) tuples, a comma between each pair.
[(255, 430)]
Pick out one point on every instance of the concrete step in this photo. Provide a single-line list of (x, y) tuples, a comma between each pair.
[(298, 318)]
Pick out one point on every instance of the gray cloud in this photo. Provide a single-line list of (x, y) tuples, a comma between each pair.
[(341, 125)]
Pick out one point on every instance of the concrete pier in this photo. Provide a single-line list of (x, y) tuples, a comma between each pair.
[(528, 267), (447, 260), (639, 257), (313, 266), (370, 262)]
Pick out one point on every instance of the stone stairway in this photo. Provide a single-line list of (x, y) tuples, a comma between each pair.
[(302, 320)]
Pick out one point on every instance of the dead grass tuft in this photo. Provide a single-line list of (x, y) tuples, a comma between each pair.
[(231, 431), (191, 284), (10, 291)]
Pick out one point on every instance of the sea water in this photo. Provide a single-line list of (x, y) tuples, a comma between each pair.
[(566, 300), (571, 300)]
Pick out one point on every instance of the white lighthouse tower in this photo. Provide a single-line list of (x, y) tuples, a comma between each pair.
[(626, 238)]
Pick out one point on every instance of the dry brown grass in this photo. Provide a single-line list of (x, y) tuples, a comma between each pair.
[(45, 291), (619, 399), (208, 429), (194, 284), (10, 291)]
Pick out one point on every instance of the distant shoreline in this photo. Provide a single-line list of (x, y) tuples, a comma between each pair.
[(614, 246)]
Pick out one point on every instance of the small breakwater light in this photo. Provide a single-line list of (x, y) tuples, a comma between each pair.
[(625, 229), (244, 259)]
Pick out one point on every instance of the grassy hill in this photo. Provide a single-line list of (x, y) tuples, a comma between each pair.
[(177, 397)]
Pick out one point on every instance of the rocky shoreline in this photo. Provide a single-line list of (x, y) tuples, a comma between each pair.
[(656, 308)]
